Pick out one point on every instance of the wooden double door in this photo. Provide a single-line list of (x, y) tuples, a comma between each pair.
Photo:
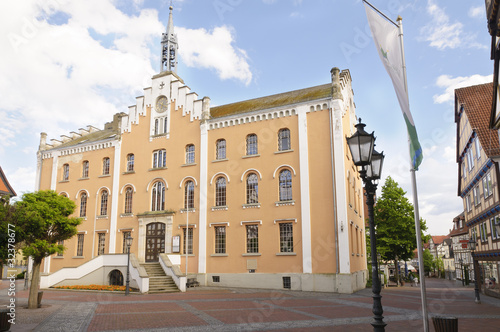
[(155, 241)]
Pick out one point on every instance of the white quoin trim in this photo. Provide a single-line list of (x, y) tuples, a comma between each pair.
[(202, 244), (113, 224), (53, 180), (305, 204), (340, 185)]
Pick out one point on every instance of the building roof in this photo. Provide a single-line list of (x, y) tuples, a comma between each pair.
[(476, 102), (92, 137), (438, 239), (456, 231), (277, 100), (5, 187)]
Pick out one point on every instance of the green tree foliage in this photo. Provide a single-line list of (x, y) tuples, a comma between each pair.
[(394, 224), (5, 216), (429, 261), (43, 219)]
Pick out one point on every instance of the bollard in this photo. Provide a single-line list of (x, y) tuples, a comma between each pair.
[(39, 300)]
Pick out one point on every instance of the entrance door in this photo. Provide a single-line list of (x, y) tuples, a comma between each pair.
[(155, 241)]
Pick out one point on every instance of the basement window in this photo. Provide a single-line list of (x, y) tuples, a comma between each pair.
[(287, 282), (216, 278)]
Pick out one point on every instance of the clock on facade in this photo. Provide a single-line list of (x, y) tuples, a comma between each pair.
[(161, 104)]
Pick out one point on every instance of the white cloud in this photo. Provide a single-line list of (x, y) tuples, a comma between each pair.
[(23, 177), (442, 34), (476, 12), (57, 76), (450, 83), (214, 50)]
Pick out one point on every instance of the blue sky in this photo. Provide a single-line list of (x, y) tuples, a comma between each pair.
[(68, 64)]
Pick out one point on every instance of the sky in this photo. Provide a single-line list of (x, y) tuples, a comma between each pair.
[(68, 64)]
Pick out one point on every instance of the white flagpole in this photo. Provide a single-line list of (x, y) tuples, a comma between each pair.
[(415, 201)]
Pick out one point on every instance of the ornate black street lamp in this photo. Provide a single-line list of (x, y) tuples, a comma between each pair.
[(363, 155), (472, 246), (128, 243)]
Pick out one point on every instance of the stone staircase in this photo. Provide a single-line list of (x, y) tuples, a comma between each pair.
[(159, 282)]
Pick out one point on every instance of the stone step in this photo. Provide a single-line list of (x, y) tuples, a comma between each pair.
[(159, 282)]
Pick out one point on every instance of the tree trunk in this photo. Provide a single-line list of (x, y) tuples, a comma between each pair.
[(35, 283)]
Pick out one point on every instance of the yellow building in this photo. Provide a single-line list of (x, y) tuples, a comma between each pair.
[(265, 187)]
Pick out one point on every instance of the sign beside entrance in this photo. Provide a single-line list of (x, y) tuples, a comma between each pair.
[(176, 243)]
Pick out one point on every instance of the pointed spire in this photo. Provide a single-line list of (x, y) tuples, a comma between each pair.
[(169, 46)]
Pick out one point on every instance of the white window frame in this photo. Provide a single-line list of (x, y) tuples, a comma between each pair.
[(478, 147), (221, 149), (190, 154), (160, 158), (105, 165), (493, 221), (470, 159), (130, 162), (468, 203), (476, 195), (487, 185)]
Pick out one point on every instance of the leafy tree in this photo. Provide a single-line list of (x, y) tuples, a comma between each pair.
[(5, 213), (42, 219), (429, 261), (394, 224)]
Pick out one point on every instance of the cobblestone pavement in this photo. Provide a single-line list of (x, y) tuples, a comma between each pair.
[(223, 309)]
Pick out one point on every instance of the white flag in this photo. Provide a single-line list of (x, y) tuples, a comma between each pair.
[(386, 38)]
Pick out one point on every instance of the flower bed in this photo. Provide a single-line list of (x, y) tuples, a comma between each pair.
[(94, 287)]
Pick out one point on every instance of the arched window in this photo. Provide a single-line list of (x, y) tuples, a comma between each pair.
[(128, 200), (105, 166), (116, 278), (220, 191), (252, 147), (157, 127), (165, 125), (159, 158), (189, 195), (104, 203), (285, 185), (83, 205), (85, 169), (284, 139), (130, 162), (158, 197), (190, 154), (65, 172), (252, 189), (220, 149)]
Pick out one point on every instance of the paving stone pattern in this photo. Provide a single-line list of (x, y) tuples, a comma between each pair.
[(217, 309)]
